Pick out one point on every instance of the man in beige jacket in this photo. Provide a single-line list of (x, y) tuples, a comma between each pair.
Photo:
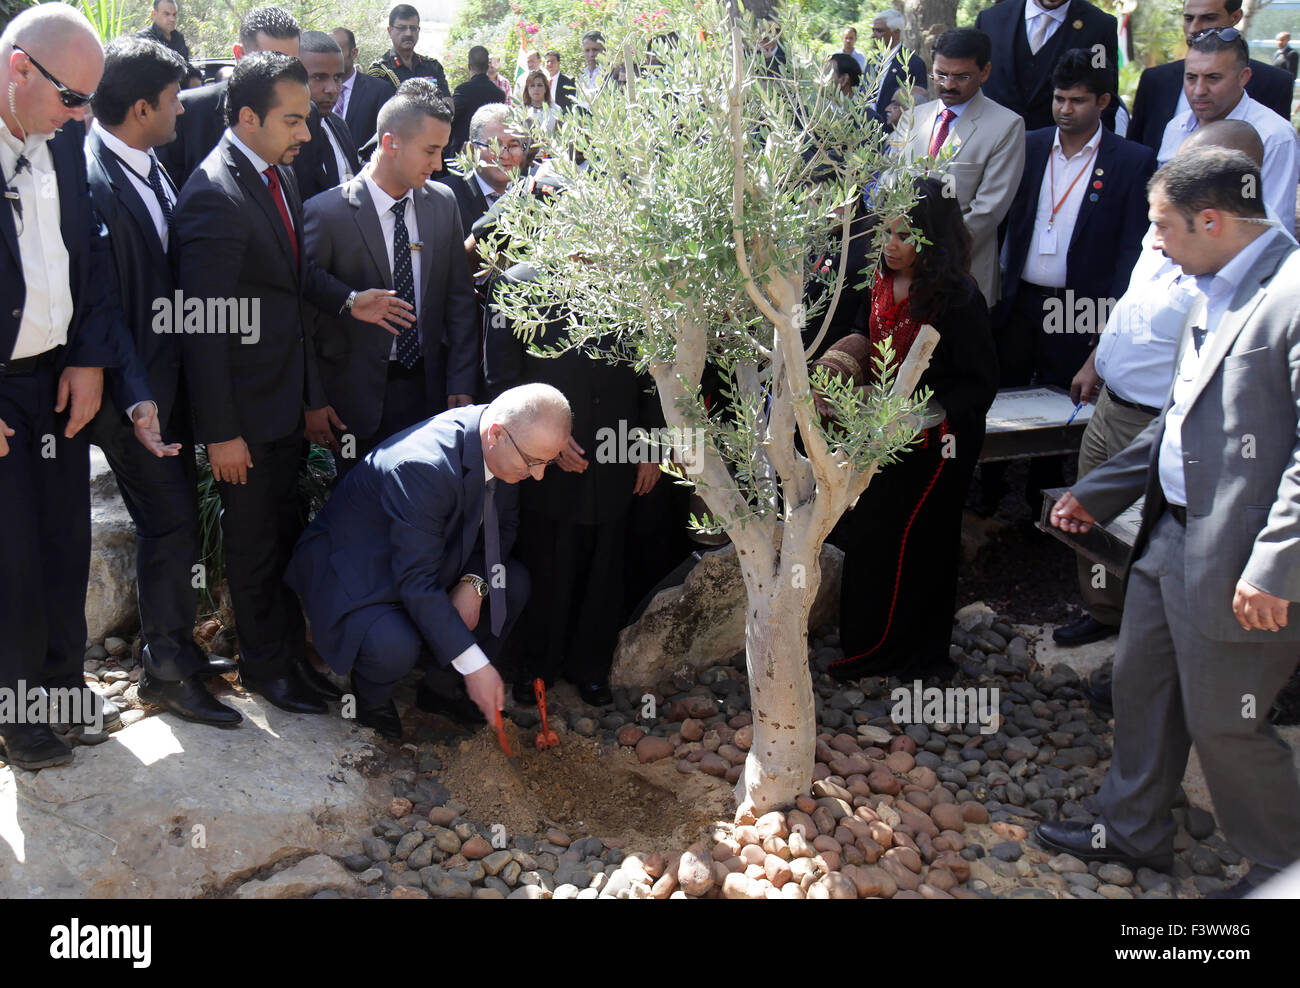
[(984, 145)]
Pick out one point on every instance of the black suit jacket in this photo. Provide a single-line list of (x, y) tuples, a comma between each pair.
[(477, 91), (97, 335), (603, 396), (197, 130), (362, 110), (566, 92), (913, 70), (145, 283), (470, 200), (344, 237), (315, 167), (232, 244), (1114, 215), (1003, 22), (1156, 99)]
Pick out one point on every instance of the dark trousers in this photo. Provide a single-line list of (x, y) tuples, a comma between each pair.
[(572, 620), (902, 548), (161, 495), (260, 523), (405, 404), (45, 538), (1029, 354), (393, 645)]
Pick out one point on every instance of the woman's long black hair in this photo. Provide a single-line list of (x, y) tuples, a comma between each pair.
[(942, 272)]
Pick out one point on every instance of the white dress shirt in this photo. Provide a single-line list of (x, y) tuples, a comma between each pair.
[(387, 224), (1281, 171), (47, 306), (345, 93), (1055, 18), (1045, 259), (473, 659), (861, 59), (590, 81), (340, 161), (139, 163), (1217, 291), (260, 165)]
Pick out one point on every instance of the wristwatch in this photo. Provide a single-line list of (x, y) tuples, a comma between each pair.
[(477, 582), (347, 306)]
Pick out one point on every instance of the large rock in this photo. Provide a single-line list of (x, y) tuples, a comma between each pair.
[(170, 809), (317, 873), (702, 622), (110, 597)]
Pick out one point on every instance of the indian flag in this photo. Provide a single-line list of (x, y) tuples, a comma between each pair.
[(1124, 40), (521, 64)]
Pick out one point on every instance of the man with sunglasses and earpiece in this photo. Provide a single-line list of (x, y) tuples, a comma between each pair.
[(1215, 76), (60, 326), (409, 562)]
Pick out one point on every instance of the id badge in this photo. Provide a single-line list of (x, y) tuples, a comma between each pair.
[(1047, 241)]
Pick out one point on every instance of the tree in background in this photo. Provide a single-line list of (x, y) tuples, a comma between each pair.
[(714, 187)]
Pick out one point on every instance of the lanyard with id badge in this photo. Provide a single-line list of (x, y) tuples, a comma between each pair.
[(1047, 239)]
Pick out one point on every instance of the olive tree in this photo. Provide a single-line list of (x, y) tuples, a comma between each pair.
[(711, 191)]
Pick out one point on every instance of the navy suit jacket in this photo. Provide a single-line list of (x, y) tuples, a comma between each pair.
[(400, 531), (913, 70), (1107, 236), (315, 166), (1156, 99), (97, 335), (362, 111), (1002, 21), (144, 272), (470, 199)]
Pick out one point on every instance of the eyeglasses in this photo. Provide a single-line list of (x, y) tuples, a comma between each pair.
[(529, 462), (514, 147), (1228, 34), (960, 79), (69, 97)]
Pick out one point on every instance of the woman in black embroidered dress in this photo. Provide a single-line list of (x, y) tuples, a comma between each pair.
[(902, 542)]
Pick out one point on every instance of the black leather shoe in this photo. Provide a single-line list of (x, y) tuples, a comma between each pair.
[(317, 682), (1074, 837), (596, 694), (458, 707), (382, 717), (1099, 696), (34, 747), (1084, 631), (217, 665), (522, 692), (189, 700), (288, 692)]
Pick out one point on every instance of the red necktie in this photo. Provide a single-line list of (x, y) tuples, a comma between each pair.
[(277, 194), (941, 135)]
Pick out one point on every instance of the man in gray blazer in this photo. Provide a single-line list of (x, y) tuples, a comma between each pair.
[(391, 225), (1206, 645), (986, 141)]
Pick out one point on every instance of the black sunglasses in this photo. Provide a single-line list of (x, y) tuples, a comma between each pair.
[(69, 97), (1228, 34)]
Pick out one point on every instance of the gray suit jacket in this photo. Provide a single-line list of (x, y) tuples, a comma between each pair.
[(1241, 456), (344, 237), (988, 144)]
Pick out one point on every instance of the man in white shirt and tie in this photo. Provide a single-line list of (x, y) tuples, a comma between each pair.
[(1217, 70), (323, 59), (136, 107), (390, 225)]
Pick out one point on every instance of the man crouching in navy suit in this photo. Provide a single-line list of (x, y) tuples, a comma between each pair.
[(396, 568)]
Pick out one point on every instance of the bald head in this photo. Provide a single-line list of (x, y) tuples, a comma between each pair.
[(1236, 135), (523, 429), (65, 44)]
